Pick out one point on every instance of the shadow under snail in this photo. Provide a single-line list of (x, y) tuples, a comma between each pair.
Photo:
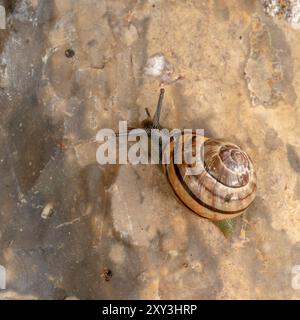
[(224, 187)]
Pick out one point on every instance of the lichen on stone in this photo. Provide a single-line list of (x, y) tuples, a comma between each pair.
[(286, 9)]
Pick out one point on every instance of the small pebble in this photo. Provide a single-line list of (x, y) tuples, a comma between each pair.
[(106, 274), (69, 53), (47, 211)]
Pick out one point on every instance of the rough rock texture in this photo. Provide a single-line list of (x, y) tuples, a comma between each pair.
[(72, 228), (286, 9)]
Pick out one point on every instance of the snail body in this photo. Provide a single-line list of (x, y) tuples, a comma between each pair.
[(224, 185)]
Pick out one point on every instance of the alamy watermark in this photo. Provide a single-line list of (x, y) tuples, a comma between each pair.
[(151, 146)]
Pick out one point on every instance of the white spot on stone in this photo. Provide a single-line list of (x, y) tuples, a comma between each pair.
[(289, 10), (157, 66), (47, 211), (295, 17)]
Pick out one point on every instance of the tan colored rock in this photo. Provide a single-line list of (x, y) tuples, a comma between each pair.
[(229, 67)]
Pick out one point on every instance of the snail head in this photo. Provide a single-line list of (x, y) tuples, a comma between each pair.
[(149, 123)]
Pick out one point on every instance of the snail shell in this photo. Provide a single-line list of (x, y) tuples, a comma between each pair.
[(225, 183)]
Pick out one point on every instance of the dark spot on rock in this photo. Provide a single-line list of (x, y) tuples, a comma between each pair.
[(69, 53), (9, 5), (293, 158), (106, 274), (92, 43)]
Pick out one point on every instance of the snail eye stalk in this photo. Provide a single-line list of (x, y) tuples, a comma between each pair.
[(158, 109)]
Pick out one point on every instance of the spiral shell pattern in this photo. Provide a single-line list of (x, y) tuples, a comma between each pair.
[(224, 181)]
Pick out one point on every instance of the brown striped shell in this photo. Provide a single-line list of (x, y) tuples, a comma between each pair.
[(224, 183)]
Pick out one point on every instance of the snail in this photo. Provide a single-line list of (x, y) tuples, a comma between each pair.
[(225, 183)]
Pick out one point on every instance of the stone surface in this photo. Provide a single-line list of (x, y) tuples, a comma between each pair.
[(72, 228)]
